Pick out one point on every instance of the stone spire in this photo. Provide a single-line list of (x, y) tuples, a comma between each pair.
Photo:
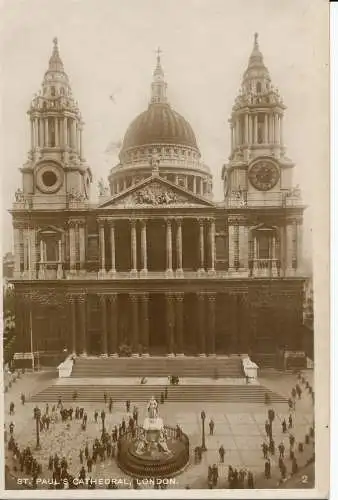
[(256, 70), (159, 85), (55, 80)]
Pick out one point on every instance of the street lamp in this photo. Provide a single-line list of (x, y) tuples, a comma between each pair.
[(37, 412), (203, 447)]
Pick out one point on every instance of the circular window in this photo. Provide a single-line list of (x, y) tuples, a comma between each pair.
[(49, 178)]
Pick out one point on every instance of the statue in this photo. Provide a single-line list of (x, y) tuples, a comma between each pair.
[(19, 196), (152, 408), (162, 443), (103, 190)]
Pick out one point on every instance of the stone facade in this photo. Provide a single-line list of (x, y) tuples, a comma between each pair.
[(156, 264)]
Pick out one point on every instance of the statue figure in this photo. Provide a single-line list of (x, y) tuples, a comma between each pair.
[(103, 190), (152, 408), (162, 443), (19, 197)]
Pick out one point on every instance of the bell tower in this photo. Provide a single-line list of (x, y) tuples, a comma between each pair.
[(56, 170), (258, 171)]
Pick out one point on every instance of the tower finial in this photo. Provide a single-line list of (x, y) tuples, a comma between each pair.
[(256, 39), (159, 85), (56, 46)]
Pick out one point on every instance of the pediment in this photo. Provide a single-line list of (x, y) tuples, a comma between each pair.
[(156, 192)]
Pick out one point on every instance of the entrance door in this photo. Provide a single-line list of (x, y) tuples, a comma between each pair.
[(157, 325)]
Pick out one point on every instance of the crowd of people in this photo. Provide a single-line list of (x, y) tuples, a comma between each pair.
[(106, 445), (244, 478)]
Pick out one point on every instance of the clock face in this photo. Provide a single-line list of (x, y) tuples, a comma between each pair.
[(264, 175), (49, 177)]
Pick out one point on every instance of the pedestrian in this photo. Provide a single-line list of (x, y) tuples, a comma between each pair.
[(291, 440), (81, 457), (250, 480), (272, 446), (267, 428), (86, 451), (265, 449), (294, 466), (59, 405), (11, 408), (96, 414), (105, 396), (23, 398), (128, 405), (135, 414), (82, 474), (271, 416), (166, 392), (293, 393), (110, 404), (50, 463), (267, 398), (267, 469), (162, 398), (281, 449), (89, 464), (214, 475), (284, 427), (283, 471), (280, 462), (211, 427), (290, 421), (103, 415), (299, 391), (11, 428), (221, 452), (74, 396)]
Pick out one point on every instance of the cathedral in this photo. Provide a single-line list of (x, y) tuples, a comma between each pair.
[(156, 264)]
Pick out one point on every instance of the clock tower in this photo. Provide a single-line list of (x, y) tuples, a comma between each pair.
[(258, 171), (265, 221), (56, 171)]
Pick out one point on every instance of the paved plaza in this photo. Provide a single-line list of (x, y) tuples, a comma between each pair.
[(240, 428)]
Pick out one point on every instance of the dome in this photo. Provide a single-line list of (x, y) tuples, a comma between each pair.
[(159, 124)]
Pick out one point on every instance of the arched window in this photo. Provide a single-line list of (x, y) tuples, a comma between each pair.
[(52, 91), (62, 91), (259, 87)]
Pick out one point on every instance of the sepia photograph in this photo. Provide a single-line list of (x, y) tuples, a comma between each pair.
[(165, 223)]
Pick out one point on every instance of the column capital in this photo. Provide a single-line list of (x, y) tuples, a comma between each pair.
[(143, 220), (134, 297), (169, 220), (112, 297), (201, 220), (211, 296), (101, 221), (179, 220), (144, 297), (170, 296), (102, 296), (71, 297), (81, 297), (179, 296)]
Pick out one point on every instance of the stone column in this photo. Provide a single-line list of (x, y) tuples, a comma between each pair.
[(32, 134), (243, 247), (17, 237), (179, 323), (56, 126), (170, 324), (113, 334), (74, 141), (169, 270), (135, 323), (250, 130), (104, 339), (144, 256), (194, 184), (211, 324), (201, 320), (277, 141), (201, 186), (102, 249), (201, 245), (266, 129), (41, 139), (179, 257), (80, 142), (46, 133), (145, 323), (72, 247), (299, 253), (65, 132), (82, 318), (133, 247), (112, 248), (255, 129), (246, 128), (212, 246), (281, 132), (36, 132), (82, 245), (59, 272)]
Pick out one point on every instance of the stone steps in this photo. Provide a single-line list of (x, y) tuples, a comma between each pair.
[(228, 367), (184, 393)]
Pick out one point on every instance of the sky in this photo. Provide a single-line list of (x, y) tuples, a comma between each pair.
[(108, 47)]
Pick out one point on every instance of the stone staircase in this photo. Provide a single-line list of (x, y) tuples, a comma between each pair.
[(226, 367), (142, 393)]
